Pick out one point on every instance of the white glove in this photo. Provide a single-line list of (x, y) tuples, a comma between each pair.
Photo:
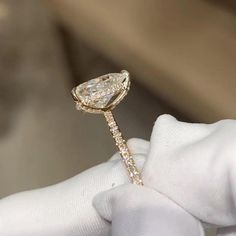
[(140, 211), (66, 208), (195, 166), (192, 164)]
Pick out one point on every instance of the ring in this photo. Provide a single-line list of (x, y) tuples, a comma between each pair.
[(100, 96)]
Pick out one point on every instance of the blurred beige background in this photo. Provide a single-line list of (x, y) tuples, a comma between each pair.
[(180, 54)]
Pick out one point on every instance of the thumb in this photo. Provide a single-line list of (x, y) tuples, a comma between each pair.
[(140, 211)]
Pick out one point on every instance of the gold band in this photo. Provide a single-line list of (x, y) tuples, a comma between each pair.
[(126, 156)]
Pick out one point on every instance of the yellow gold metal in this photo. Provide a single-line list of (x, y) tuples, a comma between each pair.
[(95, 100), (123, 148)]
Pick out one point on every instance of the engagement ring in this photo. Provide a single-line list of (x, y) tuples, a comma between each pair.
[(101, 95)]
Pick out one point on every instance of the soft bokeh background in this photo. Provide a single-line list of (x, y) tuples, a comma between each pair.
[(181, 56)]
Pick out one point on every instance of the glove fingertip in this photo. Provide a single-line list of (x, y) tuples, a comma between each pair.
[(101, 202)]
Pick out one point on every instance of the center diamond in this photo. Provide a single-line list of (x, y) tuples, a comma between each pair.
[(99, 92)]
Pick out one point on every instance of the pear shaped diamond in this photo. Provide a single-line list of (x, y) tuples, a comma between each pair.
[(100, 92)]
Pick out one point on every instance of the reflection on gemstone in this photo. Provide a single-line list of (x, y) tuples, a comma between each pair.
[(99, 92)]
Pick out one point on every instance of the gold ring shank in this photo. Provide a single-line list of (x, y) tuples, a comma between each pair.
[(127, 158)]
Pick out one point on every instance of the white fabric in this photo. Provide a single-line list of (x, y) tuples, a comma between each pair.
[(140, 211), (195, 166), (66, 209)]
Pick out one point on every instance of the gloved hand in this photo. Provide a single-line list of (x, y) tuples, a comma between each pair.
[(140, 211), (192, 164), (195, 166), (66, 208)]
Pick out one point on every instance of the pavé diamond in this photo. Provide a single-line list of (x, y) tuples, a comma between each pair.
[(100, 92)]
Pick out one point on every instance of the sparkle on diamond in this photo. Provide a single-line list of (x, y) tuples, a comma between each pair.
[(100, 91)]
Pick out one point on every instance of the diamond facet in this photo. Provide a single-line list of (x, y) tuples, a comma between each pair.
[(101, 92)]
